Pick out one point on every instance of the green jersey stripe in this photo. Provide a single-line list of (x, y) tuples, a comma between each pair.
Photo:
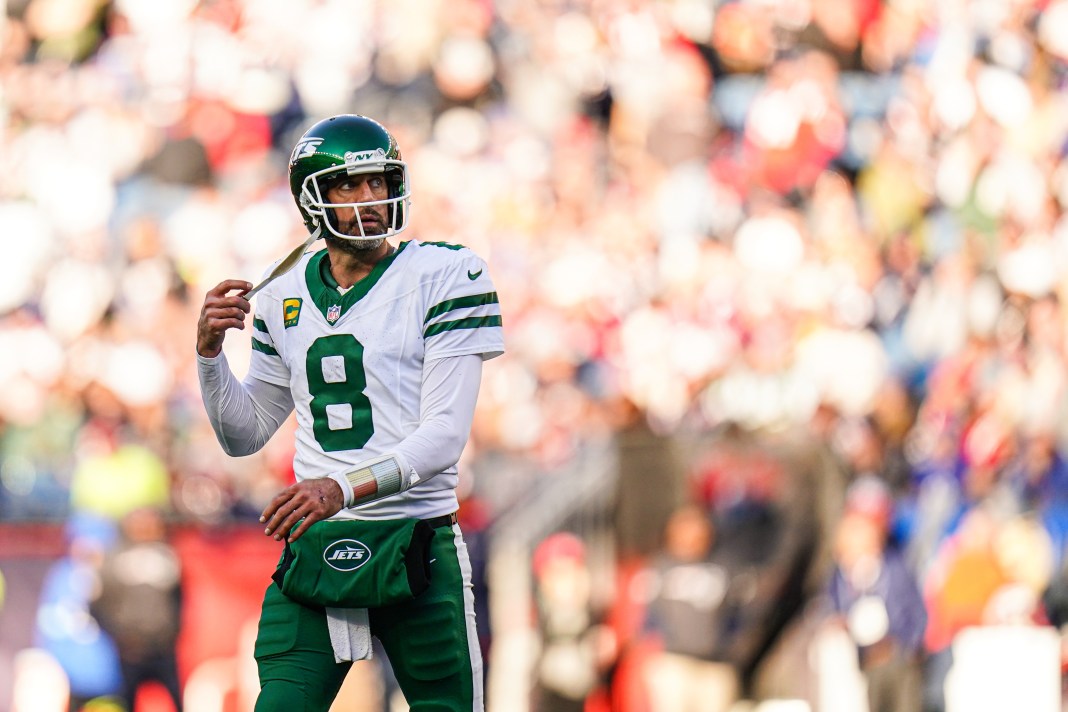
[(260, 325), (474, 300), (473, 322), (258, 345)]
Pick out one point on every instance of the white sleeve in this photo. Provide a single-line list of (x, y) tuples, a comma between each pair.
[(450, 391), (243, 415)]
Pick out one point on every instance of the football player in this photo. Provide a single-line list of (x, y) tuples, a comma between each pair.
[(378, 346)]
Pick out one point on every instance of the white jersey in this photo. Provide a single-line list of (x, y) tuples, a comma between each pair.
[(354, 361)]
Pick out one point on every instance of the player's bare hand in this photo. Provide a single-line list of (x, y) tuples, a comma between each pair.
[(310, 500), (221, 311)]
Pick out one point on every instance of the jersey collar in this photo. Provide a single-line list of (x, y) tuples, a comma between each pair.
[(323, 288)]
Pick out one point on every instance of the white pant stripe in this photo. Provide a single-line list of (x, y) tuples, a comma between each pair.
[(473, 650)]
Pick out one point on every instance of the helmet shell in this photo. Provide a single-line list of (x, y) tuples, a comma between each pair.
[(347, 143)]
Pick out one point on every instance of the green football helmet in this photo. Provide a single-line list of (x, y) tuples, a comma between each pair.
[(347, 145)]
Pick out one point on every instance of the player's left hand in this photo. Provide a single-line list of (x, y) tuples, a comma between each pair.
[(310, 500)]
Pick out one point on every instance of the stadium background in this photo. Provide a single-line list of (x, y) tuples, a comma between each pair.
[(750, 254)]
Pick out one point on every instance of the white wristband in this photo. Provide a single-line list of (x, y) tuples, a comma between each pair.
[(374, 479)]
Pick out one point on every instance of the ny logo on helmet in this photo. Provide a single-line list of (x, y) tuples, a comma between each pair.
[(305, 147), (364, 156)]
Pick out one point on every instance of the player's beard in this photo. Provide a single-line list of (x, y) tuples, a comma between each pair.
[(358, 246)]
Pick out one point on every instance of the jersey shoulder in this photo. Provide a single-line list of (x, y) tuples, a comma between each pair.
[(443, 263), (432, 256), (463, 314)]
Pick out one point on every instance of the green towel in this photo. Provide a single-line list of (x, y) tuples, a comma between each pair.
[(357, 564)]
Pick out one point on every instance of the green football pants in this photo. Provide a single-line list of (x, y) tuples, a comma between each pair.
[(430, 641)]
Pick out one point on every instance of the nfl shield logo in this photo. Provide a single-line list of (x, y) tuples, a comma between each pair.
[(333, 313)]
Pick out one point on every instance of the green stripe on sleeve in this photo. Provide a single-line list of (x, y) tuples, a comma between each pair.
[(474, 300), (473, 322), (258, 345), (260, 325)]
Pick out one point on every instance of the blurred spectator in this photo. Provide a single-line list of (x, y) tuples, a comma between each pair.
[(877, 600), (1038, 480), (691, 599), (115, 478), (566, 670), (763, 492), (66, 627), (139, 603), (990, 571)]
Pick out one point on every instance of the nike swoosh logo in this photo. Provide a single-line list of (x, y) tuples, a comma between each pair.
[(473, 275)]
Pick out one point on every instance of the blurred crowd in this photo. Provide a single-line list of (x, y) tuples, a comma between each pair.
[(840, 222)]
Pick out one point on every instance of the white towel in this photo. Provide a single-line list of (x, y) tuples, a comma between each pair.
[(350, 633)]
